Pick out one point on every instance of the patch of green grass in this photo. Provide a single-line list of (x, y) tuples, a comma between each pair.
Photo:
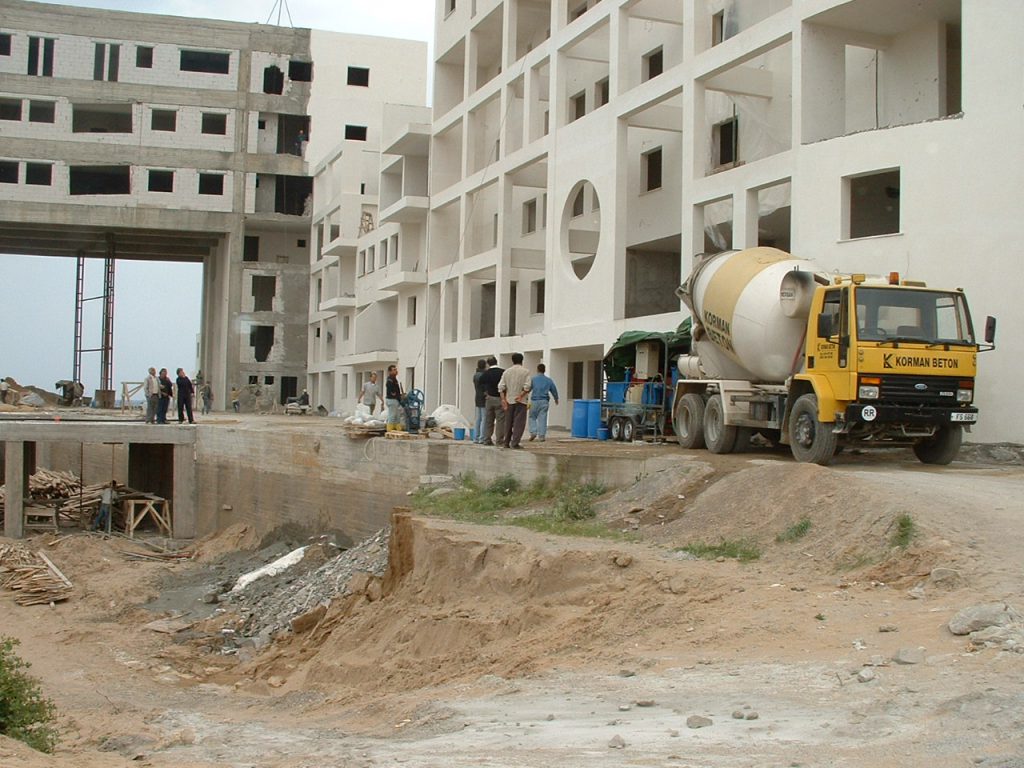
[(566, 509), (905, 531), (795, 532), (820, 616), (741, 550), (25, 714)]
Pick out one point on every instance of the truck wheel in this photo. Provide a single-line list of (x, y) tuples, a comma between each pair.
[(718, 437), (811, 441), (615, 428), (628, 430), (942, 447), (689, 421)]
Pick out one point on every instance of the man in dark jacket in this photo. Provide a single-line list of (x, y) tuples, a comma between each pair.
[(166, 391), (494, 413), (185, 392)]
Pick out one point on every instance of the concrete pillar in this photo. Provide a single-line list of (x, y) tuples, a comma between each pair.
[(16, 465), (185, 507)]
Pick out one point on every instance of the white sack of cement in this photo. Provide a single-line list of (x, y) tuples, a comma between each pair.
[(270, 569), (448, 416)]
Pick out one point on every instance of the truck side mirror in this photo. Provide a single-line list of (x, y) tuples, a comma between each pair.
[(826, 325), (990, 330)]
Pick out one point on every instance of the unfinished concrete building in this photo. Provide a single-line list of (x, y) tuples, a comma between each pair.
[(137, 136), (582, 151)]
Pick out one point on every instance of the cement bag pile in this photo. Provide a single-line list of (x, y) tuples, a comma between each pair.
[(363, 417), (449, 417)]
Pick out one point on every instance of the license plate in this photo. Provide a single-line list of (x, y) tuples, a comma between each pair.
[(963, 417)]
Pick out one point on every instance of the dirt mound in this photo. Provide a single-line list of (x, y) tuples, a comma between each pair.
[(234, 538)]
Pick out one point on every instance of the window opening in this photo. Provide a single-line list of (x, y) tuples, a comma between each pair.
[(8, 172), (359, 76), (5, 44), (346, 326), (273, 80), (577, 106), (601, 93), (261, 339), (530, 216), (251, 248), (355, 132), (46, 68), (652, 170), (100, 180), (300, 243), (726, 138), (101, 118), (718, 28), (212, 62), (42, 111), (264, 288), (537, 297), (106, 62), (164, 120), (215, 123), (144, 57), (211, 184), (654, 64), (39, 174), (578, 203), (161, 181), (300, 71), (874, 204), (410, 311), (10, 109)]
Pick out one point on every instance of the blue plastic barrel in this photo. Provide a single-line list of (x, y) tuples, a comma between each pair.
[(593, 418), (579, 418)]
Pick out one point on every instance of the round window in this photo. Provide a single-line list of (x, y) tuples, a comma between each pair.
[(581, 228)]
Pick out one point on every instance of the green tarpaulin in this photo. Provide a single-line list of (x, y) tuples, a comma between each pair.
[(622, 354)]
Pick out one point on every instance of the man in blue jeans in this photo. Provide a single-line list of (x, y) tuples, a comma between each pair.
[(542, 390)]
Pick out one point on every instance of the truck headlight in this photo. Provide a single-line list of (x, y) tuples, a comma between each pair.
[(867, 392), (965, 395)]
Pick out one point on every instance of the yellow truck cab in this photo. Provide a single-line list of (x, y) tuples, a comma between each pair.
[(885, 361)]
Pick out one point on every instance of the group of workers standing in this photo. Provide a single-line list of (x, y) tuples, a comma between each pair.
[(160, 390), (391, 400), (506, 399)]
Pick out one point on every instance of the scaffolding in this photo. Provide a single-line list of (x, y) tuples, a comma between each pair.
[(105, 392)]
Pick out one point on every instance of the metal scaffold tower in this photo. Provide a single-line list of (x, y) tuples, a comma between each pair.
[(106, 348)]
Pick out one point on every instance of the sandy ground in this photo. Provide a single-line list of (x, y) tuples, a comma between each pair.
[(495, 646)]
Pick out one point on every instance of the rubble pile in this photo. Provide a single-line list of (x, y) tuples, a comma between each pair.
[(269, 604)]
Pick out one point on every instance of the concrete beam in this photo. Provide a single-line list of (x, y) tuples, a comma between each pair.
[(16, 487), (88, 431), (184, 507)]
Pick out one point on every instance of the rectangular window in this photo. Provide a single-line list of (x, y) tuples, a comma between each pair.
[(874, 204), (251, 249), (355, 132), (10, 109), (5, 44), (652, 170), (46, 68), (101, 118), (39, 174), (206, 61), (264, 288), (346, 327), (601, 93), (144, 57), (164, 120), (8, 172), (268, 380), (300, 71), (161, 181), (718, 28), (394, 249), (410, 311), (726, 138), (215, 123), (577, 106), (359, 76), (261, 339), (100, 180), (537, 297), (654, 64), (42, 111), (530, 216), (106, 62), (449, 6), (578, 203), (211, 183)]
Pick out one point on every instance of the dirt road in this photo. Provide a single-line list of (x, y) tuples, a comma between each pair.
[(495, 646)]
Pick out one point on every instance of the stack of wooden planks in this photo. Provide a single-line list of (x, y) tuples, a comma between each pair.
[(33, 576), (359, 431)]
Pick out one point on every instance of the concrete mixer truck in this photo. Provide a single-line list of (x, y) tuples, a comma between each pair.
[(818, 360)]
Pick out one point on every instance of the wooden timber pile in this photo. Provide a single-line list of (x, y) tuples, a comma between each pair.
[(48, 485), (33, 576), (362, 431)]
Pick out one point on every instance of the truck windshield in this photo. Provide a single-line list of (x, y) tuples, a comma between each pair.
[(905, 314)]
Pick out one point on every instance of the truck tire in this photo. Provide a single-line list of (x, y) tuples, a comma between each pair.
[(628, 430), (718, 437), (615, 428), (942, 447), (811, 441), (689, 421)]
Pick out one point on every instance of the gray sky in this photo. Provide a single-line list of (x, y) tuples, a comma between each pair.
[(157, 309)]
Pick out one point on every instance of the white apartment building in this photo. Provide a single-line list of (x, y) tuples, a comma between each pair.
[(582, 151), (141, 136)]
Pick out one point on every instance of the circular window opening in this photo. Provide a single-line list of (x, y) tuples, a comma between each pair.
[(581, 228)]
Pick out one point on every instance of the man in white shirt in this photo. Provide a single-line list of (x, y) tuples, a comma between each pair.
[(515, 389), (152, 389)]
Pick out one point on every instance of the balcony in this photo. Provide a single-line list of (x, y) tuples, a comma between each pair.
[(409, 209), (337, 304), (397, 280)]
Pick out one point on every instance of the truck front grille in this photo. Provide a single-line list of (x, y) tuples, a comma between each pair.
[(919, 390)]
